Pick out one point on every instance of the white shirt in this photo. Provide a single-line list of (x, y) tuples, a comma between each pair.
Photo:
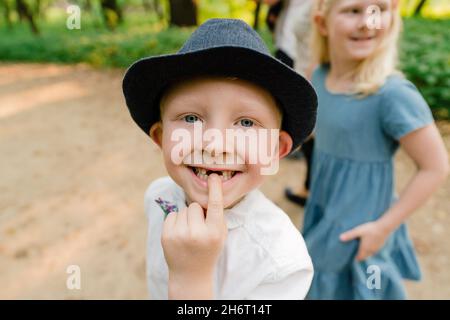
[(292, 32), (264, 256)]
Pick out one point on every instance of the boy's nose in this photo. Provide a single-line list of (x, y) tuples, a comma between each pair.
[(214, 142)]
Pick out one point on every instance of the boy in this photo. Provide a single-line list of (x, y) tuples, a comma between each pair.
[(212, 234)]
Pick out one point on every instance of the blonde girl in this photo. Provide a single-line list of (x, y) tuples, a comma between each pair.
[(354, 222)]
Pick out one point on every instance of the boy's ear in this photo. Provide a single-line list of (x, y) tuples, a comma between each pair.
[(156, 133), (285, 144), (320, 22)]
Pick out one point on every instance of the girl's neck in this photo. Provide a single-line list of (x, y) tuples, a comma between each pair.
[(341, 76)]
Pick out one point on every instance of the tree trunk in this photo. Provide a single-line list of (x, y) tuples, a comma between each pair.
[(257, 10), (159, 10), (148, 5), (419, 7), (153, 6), (7, 13), (25, 13), (112, 13), (39, 10), (88, 5), (183, 13)]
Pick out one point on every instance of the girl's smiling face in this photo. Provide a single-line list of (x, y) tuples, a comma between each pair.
[(219, 104), (353, 29)]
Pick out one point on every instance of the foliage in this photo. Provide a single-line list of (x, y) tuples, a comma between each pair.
[(425, 60), (435, 9)]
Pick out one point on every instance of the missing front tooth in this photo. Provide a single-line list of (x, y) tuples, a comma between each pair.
[(220, 173)]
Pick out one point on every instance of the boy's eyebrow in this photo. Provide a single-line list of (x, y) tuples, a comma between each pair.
[(186, 101), (255, 107)]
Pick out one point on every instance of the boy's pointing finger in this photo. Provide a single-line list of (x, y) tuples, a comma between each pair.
[(215, 199)]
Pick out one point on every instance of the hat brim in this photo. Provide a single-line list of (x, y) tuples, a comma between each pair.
[(145, 80)]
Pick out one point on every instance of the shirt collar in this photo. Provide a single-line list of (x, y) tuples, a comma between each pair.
[(237, 215)]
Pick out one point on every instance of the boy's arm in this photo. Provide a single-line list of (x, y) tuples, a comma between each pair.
[(190, 287)]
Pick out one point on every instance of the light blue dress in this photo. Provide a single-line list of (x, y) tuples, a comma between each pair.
[(353, 183)]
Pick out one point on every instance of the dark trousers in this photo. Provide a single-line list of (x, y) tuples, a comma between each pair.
[(307, 149)]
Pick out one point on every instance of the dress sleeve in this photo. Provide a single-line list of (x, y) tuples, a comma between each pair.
[(403, 109)]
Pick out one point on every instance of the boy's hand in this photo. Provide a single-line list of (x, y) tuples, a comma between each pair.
[(192, 244)]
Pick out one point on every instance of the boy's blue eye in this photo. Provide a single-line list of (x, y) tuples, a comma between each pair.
[(246, 122), (191, 118)]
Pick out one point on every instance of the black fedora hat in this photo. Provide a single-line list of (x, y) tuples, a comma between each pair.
[(229, 48)]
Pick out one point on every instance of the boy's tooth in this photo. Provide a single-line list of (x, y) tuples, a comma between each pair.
[(201, 175), (226, 175)]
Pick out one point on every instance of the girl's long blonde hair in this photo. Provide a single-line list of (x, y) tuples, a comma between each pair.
[(373, 71)]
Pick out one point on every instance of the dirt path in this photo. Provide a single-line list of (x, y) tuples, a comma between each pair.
[(73, 172)]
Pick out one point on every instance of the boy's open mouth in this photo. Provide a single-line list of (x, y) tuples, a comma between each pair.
[(203, 173)]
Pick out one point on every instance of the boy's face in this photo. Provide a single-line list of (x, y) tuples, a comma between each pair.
[(216, 105)]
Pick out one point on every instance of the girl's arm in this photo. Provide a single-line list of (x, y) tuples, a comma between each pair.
[(427, 150)]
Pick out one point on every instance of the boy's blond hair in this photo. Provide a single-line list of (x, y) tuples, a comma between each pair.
[(372, 72)]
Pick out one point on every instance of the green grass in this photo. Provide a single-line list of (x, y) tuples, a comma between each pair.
[(425, 48)]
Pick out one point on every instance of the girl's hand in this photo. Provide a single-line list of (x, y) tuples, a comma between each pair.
[(372, 237), (192, 244)]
